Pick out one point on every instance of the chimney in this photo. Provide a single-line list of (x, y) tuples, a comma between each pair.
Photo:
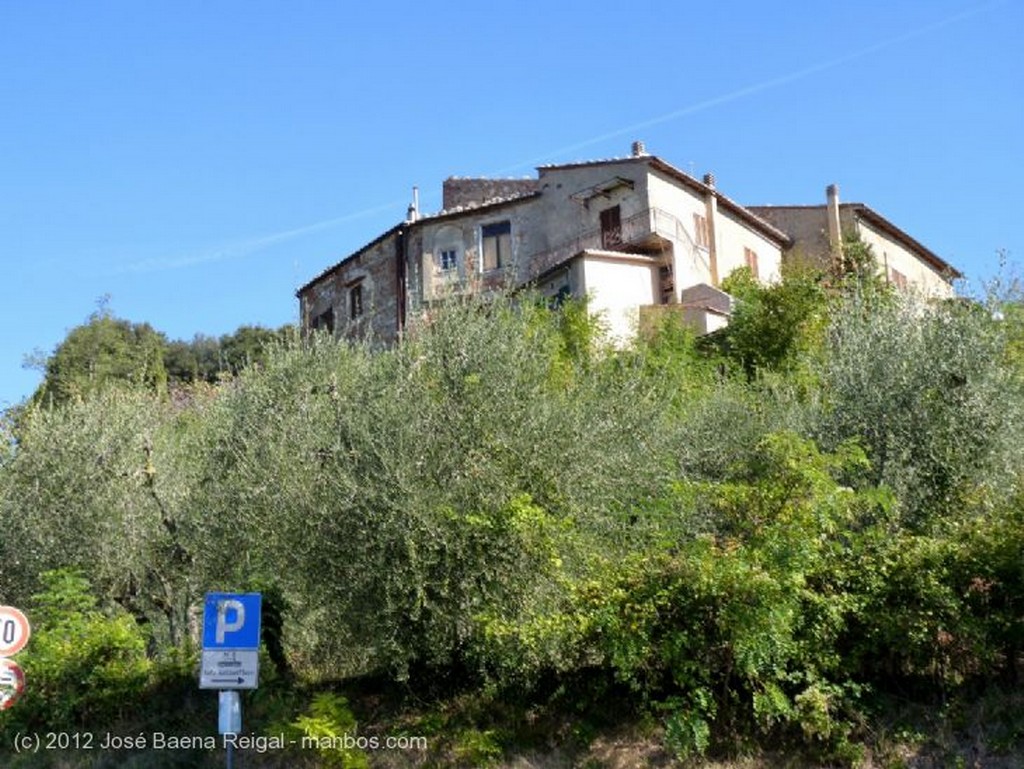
[(639, 150), (414, 208), (835, 234), (711, 214)]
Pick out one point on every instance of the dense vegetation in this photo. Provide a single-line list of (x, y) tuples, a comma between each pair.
[(109, 349), (752, 538)]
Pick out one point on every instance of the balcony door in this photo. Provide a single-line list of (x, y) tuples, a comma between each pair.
[(611, 228)]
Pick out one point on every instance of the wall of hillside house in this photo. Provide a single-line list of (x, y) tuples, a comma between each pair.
[(692, 264), (373, 272), (428, 281), (570, 225), (617, 287), (458, 192), (733, 237), (920, 276), (807, 226), (567, 280)]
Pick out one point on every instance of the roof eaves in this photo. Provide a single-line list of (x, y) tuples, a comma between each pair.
[(386, 234), (889, 228), (476, 208), (587, 163), (495, 203), (766, 228)]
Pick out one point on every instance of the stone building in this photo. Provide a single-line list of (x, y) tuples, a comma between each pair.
[(817, 232), (635, 235)]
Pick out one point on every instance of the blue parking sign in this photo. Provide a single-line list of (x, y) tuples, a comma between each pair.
[(232, 621)]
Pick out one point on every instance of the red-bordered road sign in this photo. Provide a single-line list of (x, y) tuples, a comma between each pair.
[(12, 683), (14, 631)]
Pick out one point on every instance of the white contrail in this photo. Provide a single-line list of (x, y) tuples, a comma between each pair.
[(764, 85), (247, 247)]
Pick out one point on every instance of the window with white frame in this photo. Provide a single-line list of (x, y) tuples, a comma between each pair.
[(449, 259), (448, 247)]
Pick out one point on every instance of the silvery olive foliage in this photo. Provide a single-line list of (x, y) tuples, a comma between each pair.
[(927, 390), (739, 541)]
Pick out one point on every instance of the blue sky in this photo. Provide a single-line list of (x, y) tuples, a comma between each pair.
[(199, 161)]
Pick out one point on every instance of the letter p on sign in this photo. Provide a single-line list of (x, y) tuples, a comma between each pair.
[(232, 621), (225, 626)]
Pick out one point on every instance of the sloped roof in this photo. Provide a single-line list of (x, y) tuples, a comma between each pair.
[(654, 162), (869, 214), (899, 235), (494, 203), (730, 205)]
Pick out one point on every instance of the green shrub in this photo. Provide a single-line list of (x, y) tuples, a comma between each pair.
[(925, 390), (83, 666), (328, 729)]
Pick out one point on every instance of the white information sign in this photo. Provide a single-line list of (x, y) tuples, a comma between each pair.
[(229, 669)]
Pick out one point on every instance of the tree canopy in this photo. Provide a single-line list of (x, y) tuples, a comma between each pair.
[(110, 351), (757, 537)]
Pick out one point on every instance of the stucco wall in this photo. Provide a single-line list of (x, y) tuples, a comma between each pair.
[(808, 227), (691, 262), (429, 237), (921, 276), (732, 236), (735, 236), (569, 215), (617, 287)]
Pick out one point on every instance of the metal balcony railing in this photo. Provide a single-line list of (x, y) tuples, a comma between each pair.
[(642, 228)]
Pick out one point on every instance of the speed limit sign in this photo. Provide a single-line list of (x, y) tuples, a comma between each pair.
[(14, 631), (12, 683)]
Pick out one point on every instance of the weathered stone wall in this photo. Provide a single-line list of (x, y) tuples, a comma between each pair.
[(461, 193), (374, 270), (462, 234)]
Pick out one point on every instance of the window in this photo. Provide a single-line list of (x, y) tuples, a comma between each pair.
[(898, 279), (355, 301), (324, 321), (496, 244), (700, 227), (750, 255), (666, 283), (449, 259), (560, 297), (611, 227)]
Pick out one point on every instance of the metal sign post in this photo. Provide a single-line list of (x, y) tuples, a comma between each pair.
[(230, 660), (229, 718)]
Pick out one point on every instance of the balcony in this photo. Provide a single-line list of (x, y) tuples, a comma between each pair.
[(649, 232)]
